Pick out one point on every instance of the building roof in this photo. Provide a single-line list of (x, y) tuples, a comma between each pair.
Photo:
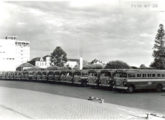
[(74, 60), (26, 65), (96, 61), (35, 59), (39, 58)]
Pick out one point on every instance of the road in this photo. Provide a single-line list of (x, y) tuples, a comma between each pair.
[(152, 101)]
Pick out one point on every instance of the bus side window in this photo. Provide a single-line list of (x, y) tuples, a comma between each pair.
[(153, 75), (138, 75), (131, 75), (144, 75), (163, 75), (149, 75), (158, 75)]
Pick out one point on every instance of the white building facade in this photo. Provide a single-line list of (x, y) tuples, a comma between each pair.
[(72, 63), (13, 53), (43, 63)]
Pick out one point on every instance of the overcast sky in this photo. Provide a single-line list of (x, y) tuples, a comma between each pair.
[(102, 29)]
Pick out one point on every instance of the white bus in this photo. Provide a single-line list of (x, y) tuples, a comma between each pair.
[(132, 79)]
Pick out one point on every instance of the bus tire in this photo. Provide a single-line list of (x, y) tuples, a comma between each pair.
[(159, 88), (130, 89)]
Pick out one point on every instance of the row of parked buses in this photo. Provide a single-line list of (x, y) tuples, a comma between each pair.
[(80, 77), (121, 79)]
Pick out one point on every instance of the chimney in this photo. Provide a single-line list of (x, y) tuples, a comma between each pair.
[(81, 63)]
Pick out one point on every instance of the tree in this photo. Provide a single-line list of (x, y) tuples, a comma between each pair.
[(142, 66), (93, 66), (117, 65), (159, 49), (133, 67), (58, 57)]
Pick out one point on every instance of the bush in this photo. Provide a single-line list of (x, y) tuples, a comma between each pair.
[(142, 66), (117, 65), (94, 66)]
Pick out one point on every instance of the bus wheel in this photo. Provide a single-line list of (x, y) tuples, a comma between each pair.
[(159, 88), (130, 89)]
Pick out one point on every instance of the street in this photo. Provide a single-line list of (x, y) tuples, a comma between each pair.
[(152, 101)]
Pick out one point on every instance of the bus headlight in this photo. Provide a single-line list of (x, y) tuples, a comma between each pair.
[(124, 83)]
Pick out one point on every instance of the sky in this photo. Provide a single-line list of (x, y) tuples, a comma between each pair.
[(103, 29)]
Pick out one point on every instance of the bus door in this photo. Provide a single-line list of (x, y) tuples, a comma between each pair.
[(92, 78), (38, 75), (50, 76), (105, 78), (69, 77), (77, 77), (57, 76), (44, 75)]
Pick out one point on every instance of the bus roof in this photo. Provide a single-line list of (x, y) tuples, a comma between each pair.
[(141, 71)]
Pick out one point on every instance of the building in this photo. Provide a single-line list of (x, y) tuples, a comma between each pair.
[(13, 53), (72, 63), (95, 61), (43, 63)]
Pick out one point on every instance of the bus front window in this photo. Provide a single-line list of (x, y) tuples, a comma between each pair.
[(121, 75)]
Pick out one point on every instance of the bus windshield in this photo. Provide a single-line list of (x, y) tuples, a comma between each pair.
[(120, 74)]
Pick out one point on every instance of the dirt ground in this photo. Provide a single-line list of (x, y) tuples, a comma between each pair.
[(27, 104)]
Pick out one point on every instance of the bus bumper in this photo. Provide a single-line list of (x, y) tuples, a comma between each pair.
[(104, 85), (120, 87), (93, 84)]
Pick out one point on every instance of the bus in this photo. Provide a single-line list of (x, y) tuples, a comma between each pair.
[(66, 76), (80, 77), (105, 78), (134, 79), (92, 79), (50, 75)]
